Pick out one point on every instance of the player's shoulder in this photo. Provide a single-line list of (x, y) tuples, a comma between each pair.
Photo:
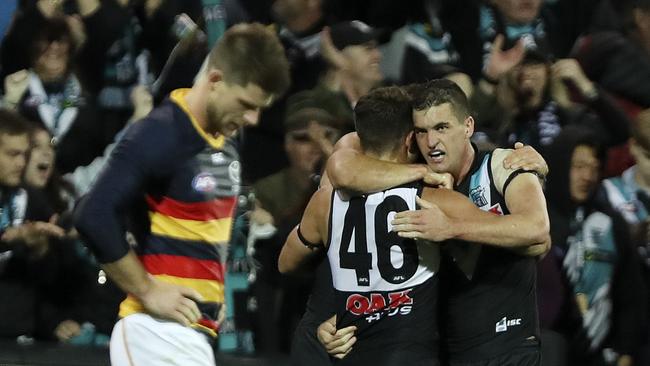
[(498, 156)]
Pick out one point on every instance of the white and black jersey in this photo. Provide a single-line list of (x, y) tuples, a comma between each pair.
[(490, 297), (385, 285)]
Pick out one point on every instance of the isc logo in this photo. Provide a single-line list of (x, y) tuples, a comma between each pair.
[(503, 324)]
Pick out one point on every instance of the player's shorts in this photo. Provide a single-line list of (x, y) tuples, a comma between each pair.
[(306, 349), (528, 354), (140, 339)]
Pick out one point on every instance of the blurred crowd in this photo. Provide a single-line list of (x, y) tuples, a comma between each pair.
[(569, 77)]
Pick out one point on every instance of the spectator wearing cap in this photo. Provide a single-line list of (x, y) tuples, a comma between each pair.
[(532, 101), (309, 137), (356, 68)]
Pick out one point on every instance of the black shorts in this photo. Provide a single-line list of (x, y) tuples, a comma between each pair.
[(411, 355), (306, 349), (527, 354)]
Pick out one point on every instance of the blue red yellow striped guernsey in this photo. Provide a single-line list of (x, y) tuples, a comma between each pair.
[(190, 209)]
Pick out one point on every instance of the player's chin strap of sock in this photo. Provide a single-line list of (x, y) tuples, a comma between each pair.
[(306, 242)]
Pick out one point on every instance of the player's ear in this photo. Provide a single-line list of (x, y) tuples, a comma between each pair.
[(469, 126), (410, 142)]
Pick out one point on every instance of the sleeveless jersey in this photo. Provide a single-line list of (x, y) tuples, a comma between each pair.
[(491, 297), (385, 285)]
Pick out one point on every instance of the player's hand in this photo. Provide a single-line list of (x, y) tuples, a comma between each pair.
[(429, 223), (439, 180), (527, 158), (66, 330), (173, 302), (337, 343)]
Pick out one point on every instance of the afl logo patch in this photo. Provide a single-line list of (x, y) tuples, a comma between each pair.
[(204, 182)]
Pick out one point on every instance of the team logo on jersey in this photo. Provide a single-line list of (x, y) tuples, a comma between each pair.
[(496, 209), (204, 182), (503, 324), (478, 196), (234, 171)]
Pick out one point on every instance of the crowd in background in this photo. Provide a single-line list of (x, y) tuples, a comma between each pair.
[(569, 77)]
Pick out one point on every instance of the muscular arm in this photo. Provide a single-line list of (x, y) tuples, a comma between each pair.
[(453, 216), (348, 168), (313, 228)]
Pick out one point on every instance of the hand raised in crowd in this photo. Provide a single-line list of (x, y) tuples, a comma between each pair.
[(77, 30), (337, 343), (527, 158), (66, 330), (173, 302), (500, 61), (429, 222), (15, 87), (330, 53), (50, 8), (569, 69)]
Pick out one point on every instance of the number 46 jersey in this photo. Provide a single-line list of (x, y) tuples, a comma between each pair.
[(384, 285)]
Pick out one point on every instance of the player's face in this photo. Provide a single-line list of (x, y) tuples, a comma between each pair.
[(442, 138), (584, 173), (13, 155), (233, 106), (41, 160)]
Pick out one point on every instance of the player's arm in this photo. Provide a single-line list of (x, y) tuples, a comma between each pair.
[(309, 236), (100, 219), (350, 169), (445, 214)]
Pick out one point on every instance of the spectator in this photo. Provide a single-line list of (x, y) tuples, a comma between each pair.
[(598, 287), (309, 138), (620, 61), (24, 246), (50, 94), (531, 103)]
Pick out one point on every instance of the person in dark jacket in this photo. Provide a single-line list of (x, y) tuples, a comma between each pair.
[(590, 284)]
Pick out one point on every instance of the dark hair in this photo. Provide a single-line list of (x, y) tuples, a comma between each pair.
[(437, 92), (53, 29), (626, 10), (252, 53), (12, 123), (383, 119)]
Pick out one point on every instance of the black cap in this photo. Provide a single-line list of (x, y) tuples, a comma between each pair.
[(353, 33)]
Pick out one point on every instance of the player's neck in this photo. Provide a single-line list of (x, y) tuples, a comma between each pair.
[(468, 160), (198, 107)]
